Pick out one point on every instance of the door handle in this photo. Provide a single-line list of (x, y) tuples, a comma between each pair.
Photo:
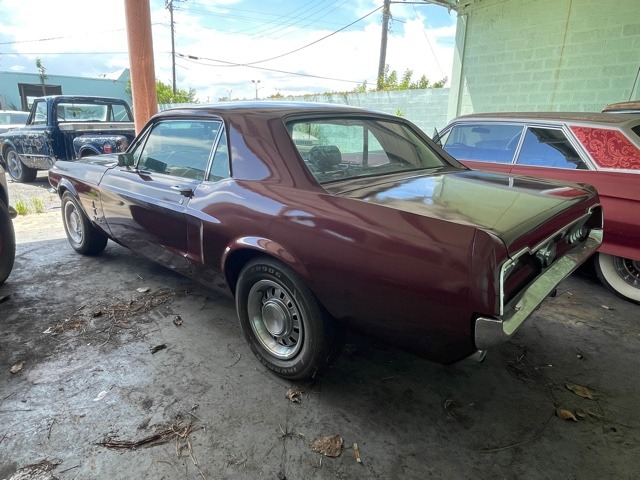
[(184, 191)]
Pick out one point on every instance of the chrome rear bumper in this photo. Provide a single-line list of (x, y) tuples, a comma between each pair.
[(493, 331)]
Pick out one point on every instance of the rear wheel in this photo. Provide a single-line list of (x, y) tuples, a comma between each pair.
[(18, 170), (83, 237), (7, 243), (620, 275), (285, 325)]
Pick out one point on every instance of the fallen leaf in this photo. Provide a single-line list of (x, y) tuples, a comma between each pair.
[(157, 348), (177, 320), (328, 446), (100, 396), (566, 414), (17, 367), (96, 313), (581, 391), (294, 395), (143, 289)]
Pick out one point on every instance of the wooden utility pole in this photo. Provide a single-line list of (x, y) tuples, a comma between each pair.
[(169, 5), (143, 79), (386, 14)]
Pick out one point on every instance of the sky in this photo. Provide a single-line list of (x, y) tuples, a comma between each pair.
[(230, 48)]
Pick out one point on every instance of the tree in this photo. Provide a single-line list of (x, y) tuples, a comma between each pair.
[(389, 81), (43, 77), (166, 95)]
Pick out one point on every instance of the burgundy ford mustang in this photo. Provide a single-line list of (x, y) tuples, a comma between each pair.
[(356, 219)]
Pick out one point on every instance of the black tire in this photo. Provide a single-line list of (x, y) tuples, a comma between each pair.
[(7, 243), (17, 170), (283, 322), (620, 275), (83, 237)]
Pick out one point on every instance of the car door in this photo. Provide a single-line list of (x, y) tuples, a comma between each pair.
[(32, 143), (145, 206), (487, 146)]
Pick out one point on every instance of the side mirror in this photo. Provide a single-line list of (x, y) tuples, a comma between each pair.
[(125, 160)]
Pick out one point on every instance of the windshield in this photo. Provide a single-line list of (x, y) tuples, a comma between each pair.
[(13, 118), (338, 148)]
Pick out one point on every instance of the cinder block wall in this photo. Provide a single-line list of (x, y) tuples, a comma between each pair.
[(558, 55), (426, 108)]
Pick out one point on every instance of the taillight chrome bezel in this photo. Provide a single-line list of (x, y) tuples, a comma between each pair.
[(545, 252)]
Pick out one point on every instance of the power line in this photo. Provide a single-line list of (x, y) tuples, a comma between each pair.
[(192, 59), (70, 36), (315, 20)]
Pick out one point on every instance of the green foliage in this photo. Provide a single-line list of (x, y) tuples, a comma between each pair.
[(166, 95), (389, 81), (38, 205), (361, 88), (21, 207), (276, 95)]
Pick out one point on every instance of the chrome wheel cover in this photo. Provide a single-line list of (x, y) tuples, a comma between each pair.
[(628, 270), (14, 165), (276, 319), (73, 223)]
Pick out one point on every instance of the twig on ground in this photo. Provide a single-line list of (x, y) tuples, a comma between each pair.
[(519, 444)]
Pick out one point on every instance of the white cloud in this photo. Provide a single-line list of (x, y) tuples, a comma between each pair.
[(349, 55)]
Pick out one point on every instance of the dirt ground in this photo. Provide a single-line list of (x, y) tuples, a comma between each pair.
[(125, 370)]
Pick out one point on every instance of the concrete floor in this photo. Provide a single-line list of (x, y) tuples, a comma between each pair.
[(84, 332)]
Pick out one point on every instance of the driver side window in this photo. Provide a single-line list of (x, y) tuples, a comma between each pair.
[(180, 148)]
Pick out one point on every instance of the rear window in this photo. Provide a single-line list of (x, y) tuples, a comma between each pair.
[(340, 148), (92, 112), (490, 142)]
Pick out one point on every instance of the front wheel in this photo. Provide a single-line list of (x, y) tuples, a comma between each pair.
[(83, 237), (7, 243), (18, 170), (283, 322), (620, 275)]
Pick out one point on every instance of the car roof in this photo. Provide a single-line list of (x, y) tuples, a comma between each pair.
[(603, 119), (271, 109), (632, 106)]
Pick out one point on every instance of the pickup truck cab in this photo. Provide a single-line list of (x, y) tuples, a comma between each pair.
[(65, 127)]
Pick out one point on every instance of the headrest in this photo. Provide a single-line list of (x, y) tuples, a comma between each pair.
[(325, 157)]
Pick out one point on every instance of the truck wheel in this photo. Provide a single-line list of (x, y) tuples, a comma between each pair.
[(283, 322), (83, 237), (18, 170), (7, 243), (620, 275)]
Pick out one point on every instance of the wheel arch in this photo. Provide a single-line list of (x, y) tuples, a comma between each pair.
[(66, 186), (88, 150), (3, 149), (242, 250)]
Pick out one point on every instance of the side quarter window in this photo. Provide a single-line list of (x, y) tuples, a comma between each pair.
[(220, 165), (180, 148), (549, 147)]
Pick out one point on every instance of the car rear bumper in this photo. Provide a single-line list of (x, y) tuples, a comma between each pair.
[(493, 331)]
